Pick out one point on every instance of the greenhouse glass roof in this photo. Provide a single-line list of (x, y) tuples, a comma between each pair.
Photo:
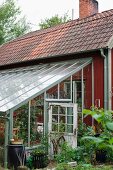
[(19, 85)]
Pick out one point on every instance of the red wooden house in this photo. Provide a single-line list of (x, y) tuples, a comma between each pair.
[(69, 63)]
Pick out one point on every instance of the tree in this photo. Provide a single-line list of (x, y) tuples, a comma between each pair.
[(10, 26), (55, 20)]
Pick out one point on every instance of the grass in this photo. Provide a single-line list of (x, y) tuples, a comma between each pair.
[(64, 166), (100, 167)]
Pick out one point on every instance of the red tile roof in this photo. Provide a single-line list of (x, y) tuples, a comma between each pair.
[(74, 36)]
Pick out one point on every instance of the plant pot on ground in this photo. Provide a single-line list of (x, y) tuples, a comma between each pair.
[(101, 156), (39, 157), (101, 151)]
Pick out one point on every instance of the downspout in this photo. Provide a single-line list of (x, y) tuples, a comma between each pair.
[(109, 81), (105, 79)]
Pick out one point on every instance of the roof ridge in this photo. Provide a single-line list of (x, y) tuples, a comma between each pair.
[(63, 25)]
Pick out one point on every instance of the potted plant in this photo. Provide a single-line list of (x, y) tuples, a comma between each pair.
[(39, 157)]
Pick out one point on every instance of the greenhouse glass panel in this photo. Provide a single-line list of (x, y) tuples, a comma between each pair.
[(18, 86)]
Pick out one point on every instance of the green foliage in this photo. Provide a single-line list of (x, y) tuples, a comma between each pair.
[(79, 155), (100, 115), (21, 121), (10, 26), (55, 20), (42, 148), (29, 162), (84, 167), (39, 150), (90, 167), (44, 143), (63, 166), (40, 154), (83, 130), (89, 143), (65, 154), (104, 127)]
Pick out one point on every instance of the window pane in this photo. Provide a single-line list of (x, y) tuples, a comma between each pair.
[(62, 127), (70, 119), (65, 89), (55, 118), (55, 127), (70, 128), (54, 109), (69, 110), (61, 119), (52, 93), (62, 110)]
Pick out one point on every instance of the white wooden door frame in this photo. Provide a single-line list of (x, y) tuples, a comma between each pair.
[(71, 138)]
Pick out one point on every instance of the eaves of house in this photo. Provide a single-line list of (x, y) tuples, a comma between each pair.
[(76, 36)]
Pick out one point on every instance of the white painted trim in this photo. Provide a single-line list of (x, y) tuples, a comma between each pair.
[(29, 119), (110, 43)]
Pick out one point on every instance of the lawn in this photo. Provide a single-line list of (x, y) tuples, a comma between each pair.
[(63, 166)]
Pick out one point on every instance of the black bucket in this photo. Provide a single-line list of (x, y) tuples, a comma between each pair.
[(14, 153), (101, 156)]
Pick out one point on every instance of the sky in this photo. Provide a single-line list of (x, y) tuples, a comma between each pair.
[(37, 10)]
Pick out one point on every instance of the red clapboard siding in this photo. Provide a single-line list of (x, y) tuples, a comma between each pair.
[(99, 79)]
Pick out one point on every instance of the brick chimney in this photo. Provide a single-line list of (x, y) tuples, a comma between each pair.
[(87, 8)]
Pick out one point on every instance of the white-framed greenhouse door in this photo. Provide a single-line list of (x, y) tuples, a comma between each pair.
[(64, 115)]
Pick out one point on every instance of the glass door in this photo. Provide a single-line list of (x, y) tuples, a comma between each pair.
[(63, 122)]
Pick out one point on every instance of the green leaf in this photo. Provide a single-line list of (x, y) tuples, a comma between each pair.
[(109, 125), (92, 139), (86, 111), (97, 117), (111, 141), (110, 146), (89, 112)]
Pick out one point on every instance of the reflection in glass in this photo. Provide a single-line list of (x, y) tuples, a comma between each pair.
[(70, 128), (62, 119), (61, 127), (52, 93), (55, 109), (55, 127), (70, 119), (62, 110), (65, 89), (55, 118), (69, 110)]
